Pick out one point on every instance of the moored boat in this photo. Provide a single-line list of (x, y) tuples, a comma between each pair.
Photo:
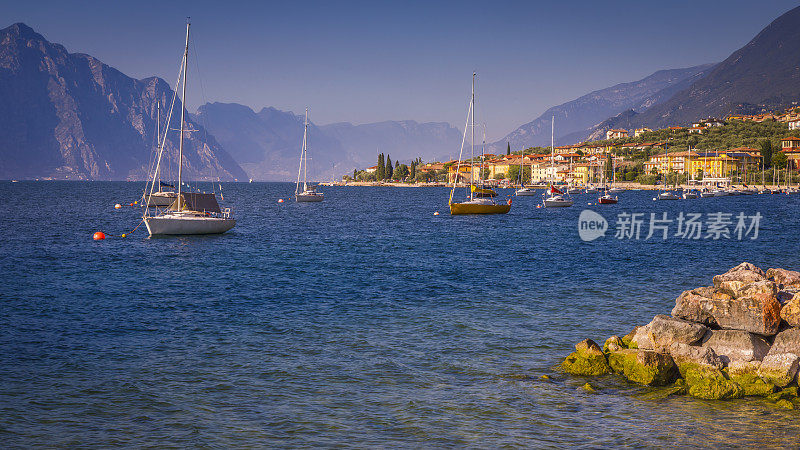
[(309, 194)]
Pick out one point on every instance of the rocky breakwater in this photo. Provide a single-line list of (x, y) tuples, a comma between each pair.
[(739, 337)]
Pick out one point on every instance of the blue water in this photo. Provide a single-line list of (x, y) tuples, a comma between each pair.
[(361, 321)]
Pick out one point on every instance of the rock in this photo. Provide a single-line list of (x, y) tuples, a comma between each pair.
[(588, 359), (685, 356), (545, 377), (736, 345), (643, 366), (791, 311), (613, 344), (641, 339), (736, 289), (785, 404), (745, 374), (710, 383), (744, 272), (758, 313), (589, 388), (785, 394), (695, 306), (780, 369), (787, 341), (784, 277), (626, 340), (663, 331)]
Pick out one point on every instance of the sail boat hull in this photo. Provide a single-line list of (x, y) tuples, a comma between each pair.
[(475, 208), (178, 224), (317, 197)]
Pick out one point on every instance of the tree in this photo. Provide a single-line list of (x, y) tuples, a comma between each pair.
[(766, 153), (389, 169), (380, 172), (355, 173), (401, 172), (779, 160), (508, 148), (412, 172)]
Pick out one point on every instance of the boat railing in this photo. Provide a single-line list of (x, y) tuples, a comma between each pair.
[(226, 213)]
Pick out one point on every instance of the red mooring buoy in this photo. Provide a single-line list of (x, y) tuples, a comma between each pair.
[(99, 236)]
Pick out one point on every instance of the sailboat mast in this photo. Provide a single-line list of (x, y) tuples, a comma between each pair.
[(552, 142), (472, 140), (183, 115), (305, 154), (158, 139)]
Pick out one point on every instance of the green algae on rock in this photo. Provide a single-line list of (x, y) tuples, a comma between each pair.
[(643, 366), (588, 359)]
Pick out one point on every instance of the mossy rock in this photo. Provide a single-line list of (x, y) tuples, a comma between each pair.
[(584, 363), (785, 394), (753, 385), (710, 383), (626, 340), (613, 344), (643, 366), (785, 404), (589, 388)]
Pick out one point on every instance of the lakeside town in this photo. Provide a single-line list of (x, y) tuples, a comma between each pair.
[(761, 149)]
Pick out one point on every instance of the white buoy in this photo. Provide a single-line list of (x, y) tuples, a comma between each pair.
[(436, 213), (117, 206), (280, 200)]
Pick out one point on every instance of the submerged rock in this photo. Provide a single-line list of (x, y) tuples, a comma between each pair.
[(588, 359), (745, 374), (710, 383), (780, 369), (736, 345), (589, 388), (643, 366)]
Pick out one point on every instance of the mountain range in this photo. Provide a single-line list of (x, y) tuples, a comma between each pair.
[(267, 143), (69, 116), (763, 75), (574, 120)]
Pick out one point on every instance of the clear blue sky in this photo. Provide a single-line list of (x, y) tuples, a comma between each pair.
[(376, 60)]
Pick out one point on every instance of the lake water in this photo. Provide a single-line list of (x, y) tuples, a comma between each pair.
[(361, 321)]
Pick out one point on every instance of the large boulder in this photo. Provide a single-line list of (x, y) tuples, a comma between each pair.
[(758, 313), (787, 341), (745, 374), (779, 368), (710, 383), (744, 273), (663, 331), (695, 305), (791, 311), (686, 356), (736, 345), (587, 359), (784, 277), (736, 289), (643, 366)]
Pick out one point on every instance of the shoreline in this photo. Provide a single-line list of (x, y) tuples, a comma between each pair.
[(623, 185)]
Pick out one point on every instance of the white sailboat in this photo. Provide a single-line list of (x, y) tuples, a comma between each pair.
[(309, 193), (189, 213), (524, 191), (556, 199)]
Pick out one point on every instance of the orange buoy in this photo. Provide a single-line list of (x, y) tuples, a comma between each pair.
[(99, 236), (509, 201), (117, 206), (131, 204), (280, 200), (436, 213)]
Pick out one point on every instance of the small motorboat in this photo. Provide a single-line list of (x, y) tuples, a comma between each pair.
[(525, 191), (720, 193), (574, 191), (607, 200), (557, 201), (666, 195), (690, 194), (591, 190), (616, 191), (766, 191)]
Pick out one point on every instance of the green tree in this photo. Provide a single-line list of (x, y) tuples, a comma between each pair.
[(389, 169), (380, 172), (355, 173), (766, 153), (779, 160), (402, 172), (412, 170), (508, 148)]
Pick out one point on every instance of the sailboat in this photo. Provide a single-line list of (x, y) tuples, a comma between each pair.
[(476, 204), (556, 199), (689, 193), (524, 191), (163, 197), (666, 194), (190, 212), (607, 198), (309, 193)]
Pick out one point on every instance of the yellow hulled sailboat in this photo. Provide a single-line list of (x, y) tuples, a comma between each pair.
[(479, 199)]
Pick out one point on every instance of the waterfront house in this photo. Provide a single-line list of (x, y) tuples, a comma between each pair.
[(791, 147), (371, 169)]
